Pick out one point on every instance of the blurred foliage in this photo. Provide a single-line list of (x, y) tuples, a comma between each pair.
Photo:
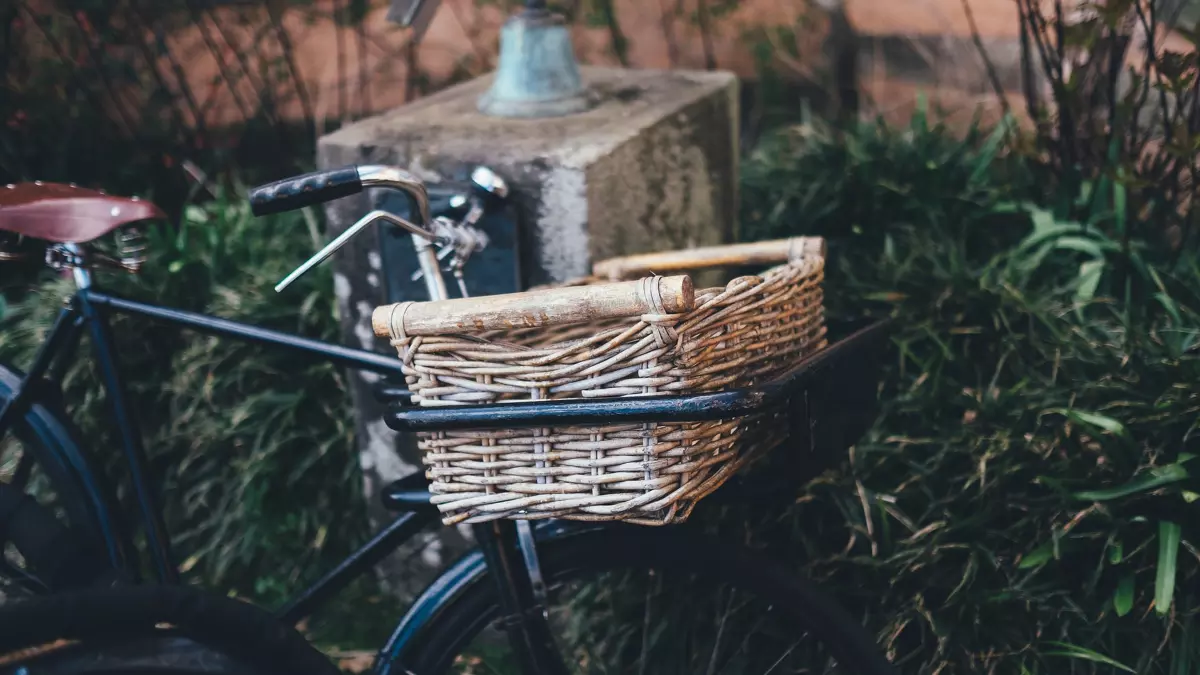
[(1116, 109), (1022, 504)]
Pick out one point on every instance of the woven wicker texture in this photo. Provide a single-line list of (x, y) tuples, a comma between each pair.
[(753, 329)]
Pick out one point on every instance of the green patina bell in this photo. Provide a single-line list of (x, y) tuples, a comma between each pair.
[(538, 75)]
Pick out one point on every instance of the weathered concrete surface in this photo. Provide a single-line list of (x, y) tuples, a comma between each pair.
[(652, 166)]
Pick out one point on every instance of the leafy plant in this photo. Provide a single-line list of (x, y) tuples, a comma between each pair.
[(1021, 504), (1117, 130)]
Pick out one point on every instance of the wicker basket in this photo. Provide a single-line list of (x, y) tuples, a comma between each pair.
[(752, 329)]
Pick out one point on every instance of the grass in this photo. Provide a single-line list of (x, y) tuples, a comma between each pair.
[(1022, 503)]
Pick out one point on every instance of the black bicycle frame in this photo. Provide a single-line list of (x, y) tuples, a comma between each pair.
[(89, 311)]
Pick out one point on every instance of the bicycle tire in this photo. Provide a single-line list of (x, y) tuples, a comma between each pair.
[(107, 617), (470, 602), (151, 655)]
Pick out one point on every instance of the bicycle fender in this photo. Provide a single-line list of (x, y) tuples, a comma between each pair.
[(461, 576), (92, 505)]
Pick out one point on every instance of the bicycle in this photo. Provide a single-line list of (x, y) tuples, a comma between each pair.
[(518, 568)]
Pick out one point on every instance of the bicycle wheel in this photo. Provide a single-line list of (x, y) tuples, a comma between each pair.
[(636, 600), (145, 656), (55, 532), (118, 629)]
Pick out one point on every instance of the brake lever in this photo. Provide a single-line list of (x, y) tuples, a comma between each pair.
[(340, 241)]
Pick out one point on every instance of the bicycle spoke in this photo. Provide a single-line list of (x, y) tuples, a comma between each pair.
[(24, 470), (780, 660), (712, 661), (21, 577)]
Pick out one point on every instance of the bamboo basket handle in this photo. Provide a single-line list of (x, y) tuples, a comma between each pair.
[(532, 309), (753, 253)]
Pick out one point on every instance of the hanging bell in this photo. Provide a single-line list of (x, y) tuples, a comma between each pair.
[(538, 75)]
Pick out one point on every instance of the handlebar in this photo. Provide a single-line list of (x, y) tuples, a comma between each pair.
[(308, 189), (323, 186), (319, 187)]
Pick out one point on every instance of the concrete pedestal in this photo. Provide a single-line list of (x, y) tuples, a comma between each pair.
[(652, 166)]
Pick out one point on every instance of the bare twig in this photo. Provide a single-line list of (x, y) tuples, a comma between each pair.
[(222, 66), (702, 15), (364, 79), (1033, 96), (667, 22), (110, 89), (263, 91), (181, 81), (289, 55), (410, 73), (151, 62), (620, 44), (61, 54), (339, 39), (987, 61), (472, 33)]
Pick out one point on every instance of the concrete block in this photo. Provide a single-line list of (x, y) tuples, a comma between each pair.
[(653, 165)]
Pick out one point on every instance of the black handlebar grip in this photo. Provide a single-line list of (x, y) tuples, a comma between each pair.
[(297, 192)]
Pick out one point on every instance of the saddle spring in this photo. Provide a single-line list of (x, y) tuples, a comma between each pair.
[(131, 247)]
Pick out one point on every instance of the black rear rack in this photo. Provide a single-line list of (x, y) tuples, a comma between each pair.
[(844, 373)]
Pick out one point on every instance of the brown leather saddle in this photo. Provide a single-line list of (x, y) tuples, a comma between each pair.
[(67, 214)]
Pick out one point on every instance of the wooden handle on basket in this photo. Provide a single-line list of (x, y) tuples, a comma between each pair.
[(549, 307), (754, 253)]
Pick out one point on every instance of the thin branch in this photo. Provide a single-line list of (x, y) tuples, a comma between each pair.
[(987, 61), (152, 67), (1033, 97), (339, 40), (472, 33), (185, 89), (364, 79), (222, 66), (11, 16), (410, 73), (666, 22), (112, 91), (61, 53), (263, 91), (1149, 21), (710, 57), (289, 55), (620, 43)]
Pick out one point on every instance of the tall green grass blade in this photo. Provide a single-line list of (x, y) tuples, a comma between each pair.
[(1123, 596), (1037, 557), (1119, 207), (1169, 535), (1095, 420), (1076, 652), (1116, 552), (1090, 274), (1150, 480), (987, 153)]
